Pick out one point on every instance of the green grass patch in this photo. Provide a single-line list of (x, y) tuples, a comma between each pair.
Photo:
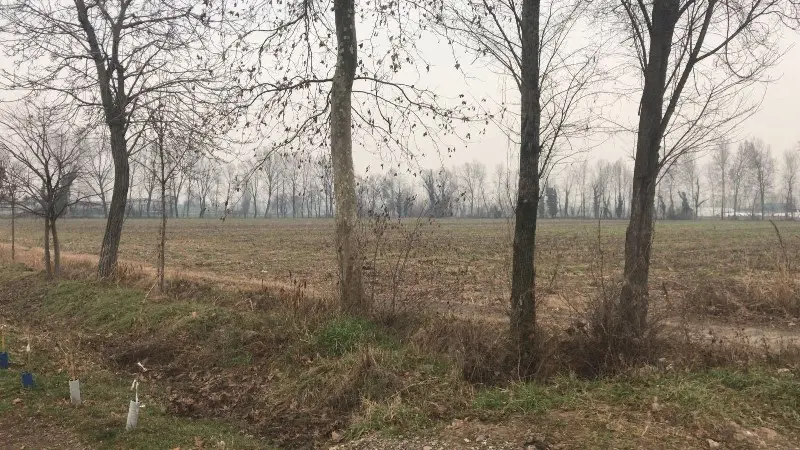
[(747, 397), (102, 308), (343, 335), (528, 398)]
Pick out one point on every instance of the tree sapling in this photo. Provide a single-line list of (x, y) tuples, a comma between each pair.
[(27, 376)]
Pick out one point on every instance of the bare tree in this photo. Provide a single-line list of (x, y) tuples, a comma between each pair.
[(568, 181), (712, 176), (527, 41), (523, 272), (148, 160), (669, 181), (269, 169), (362, 95), (440, 188), (131, 188), (505, 189), (176, 183), (207, 178), (189, 172), (763, 166), (619, 178), (690, 173), (40, 136), (114, 56), (179, 133), (739, 175), (791, 164), (233, 190), (325, 175), (292, 168), (473, 179), (253, 189), (9, 191), (697, 61), (721, 160), (584, 169)]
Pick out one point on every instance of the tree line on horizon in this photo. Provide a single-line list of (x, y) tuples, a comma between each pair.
[(294, 186)]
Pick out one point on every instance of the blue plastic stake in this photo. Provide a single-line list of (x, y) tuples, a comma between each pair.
[(27, 379), (4, 360)]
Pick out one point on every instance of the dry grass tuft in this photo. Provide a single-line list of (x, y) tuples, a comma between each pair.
[(479, 349), (765, 296)]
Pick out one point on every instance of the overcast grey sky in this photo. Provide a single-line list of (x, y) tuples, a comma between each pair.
[(776, 122)]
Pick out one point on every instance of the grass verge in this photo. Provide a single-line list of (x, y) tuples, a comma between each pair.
[(222, 369)]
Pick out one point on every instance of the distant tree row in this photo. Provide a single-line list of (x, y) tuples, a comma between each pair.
[(746, 183)]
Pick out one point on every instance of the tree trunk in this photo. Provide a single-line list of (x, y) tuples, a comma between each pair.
[(187, 206), (634, 297), (13, 227), (722, 213), (56, 249), (351, 289), (162, 242), (523, 276), (294, 187), (47, 260), (105, 204), (116, 212), (162, 239), (129, 204)]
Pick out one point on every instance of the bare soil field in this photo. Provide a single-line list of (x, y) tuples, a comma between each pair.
[(739, 270)]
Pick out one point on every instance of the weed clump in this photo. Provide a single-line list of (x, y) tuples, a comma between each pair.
[(597, 345), (343, 335)]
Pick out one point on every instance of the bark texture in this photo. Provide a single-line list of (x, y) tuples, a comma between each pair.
[(162, 238), (523, 277), (56, 248), (351, 289), (13, 228), (116, 211)]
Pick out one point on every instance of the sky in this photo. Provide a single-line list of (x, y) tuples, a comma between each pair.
[(776, 122)]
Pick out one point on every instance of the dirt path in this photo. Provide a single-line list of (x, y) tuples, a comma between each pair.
[(555, 309), (774, 337), (33, 256), (520, 434)]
